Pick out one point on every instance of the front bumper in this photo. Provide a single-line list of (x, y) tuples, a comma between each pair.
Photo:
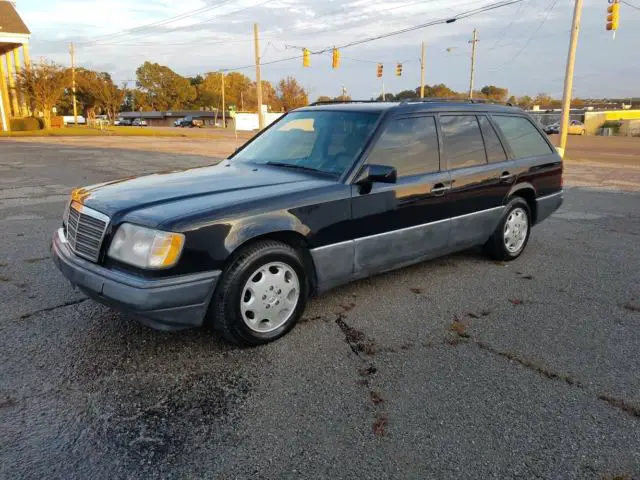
[(170, 303)]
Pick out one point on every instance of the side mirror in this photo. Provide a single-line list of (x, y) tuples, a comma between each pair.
[(378, 173)]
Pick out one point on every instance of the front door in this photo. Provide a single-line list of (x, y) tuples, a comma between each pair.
[(405, 222), (481, 176)]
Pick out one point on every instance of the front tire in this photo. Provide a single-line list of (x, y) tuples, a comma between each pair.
[(512, 233), (261, 295)]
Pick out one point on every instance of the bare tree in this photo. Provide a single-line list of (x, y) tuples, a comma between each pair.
[(42, 86), (292, 95)]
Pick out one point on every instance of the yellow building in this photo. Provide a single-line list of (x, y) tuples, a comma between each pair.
[(14, 37)]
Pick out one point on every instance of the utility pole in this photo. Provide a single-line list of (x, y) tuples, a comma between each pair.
[(473, 60), (72, 51), (568, 78), (422, 72), (224, 124), (344, 93), (256, 37)]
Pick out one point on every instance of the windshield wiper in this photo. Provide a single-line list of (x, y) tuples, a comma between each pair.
[(297, 167)]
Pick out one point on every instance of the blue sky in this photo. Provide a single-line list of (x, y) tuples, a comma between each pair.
[(522, 47)]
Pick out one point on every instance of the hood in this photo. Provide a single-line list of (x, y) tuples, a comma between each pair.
[(185, 190)]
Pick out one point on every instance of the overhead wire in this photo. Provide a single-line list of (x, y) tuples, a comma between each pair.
[(207, 20), (441, 21), (504, 32), (629, 4), (157, 23), (552, 5)]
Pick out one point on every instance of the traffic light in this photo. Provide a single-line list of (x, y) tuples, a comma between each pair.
[(380, 70), (336, 58), (399, 70), (613, 16), (306, 57)]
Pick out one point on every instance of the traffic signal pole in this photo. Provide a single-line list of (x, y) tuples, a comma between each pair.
[(568, 78)]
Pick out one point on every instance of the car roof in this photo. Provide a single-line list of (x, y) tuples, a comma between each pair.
[(411, 106)]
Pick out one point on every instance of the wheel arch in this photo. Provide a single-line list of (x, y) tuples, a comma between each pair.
[(290, 237), (528, 193)]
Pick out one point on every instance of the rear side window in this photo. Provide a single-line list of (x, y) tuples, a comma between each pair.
[(408, 144), (495, 150), (523, 137), (463, 145)]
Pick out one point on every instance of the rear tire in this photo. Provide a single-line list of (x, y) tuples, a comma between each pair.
[(512, 233), (261, 295)]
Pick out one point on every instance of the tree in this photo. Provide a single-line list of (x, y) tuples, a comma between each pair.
[(43, 86), (195, 81), (136, 101), (407, 95), (88, 83), (525, 101), (512, 100), (237, 88), (166, 90), (269, 97), (440, 90), (543, 99), (291, 94), (324, 98), (388, 97), (495, 93), (110, 96)]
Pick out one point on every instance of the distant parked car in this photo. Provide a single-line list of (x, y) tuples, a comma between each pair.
[(178, 122), (122, 122), (575, 128), (139, 122), (191, 122)]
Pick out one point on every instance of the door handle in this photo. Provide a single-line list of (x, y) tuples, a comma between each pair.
[(506, 176), (440, 189)]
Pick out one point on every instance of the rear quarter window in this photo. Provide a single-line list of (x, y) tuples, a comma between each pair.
[(525, 140)]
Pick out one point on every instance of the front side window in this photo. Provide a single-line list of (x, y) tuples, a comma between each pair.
[(324, 141), (463, 145), (408, 144), (522, 136)]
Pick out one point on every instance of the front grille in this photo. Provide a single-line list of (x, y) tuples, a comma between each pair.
[(85, 231)]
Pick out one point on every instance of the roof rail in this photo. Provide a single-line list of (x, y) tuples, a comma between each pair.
[(330, 102), (455, 99)]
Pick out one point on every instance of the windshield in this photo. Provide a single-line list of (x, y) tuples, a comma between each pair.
[(324, 141)]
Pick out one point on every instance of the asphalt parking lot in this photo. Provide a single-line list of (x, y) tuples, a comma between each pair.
[(455, 368)]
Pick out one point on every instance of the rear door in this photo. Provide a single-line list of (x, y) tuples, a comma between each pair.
[(481, 176), (537, 163), (405, 222)]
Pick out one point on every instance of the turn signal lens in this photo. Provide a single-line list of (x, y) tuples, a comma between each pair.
[(165, 249)]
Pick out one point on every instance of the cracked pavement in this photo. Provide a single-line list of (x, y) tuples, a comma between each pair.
[(456, 368)]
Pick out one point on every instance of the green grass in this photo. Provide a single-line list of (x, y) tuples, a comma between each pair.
[(84, 131)]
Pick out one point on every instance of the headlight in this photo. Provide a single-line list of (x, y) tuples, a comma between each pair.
[(146, 248)]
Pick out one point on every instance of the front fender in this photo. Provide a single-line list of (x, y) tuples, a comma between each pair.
[(246, 229)]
